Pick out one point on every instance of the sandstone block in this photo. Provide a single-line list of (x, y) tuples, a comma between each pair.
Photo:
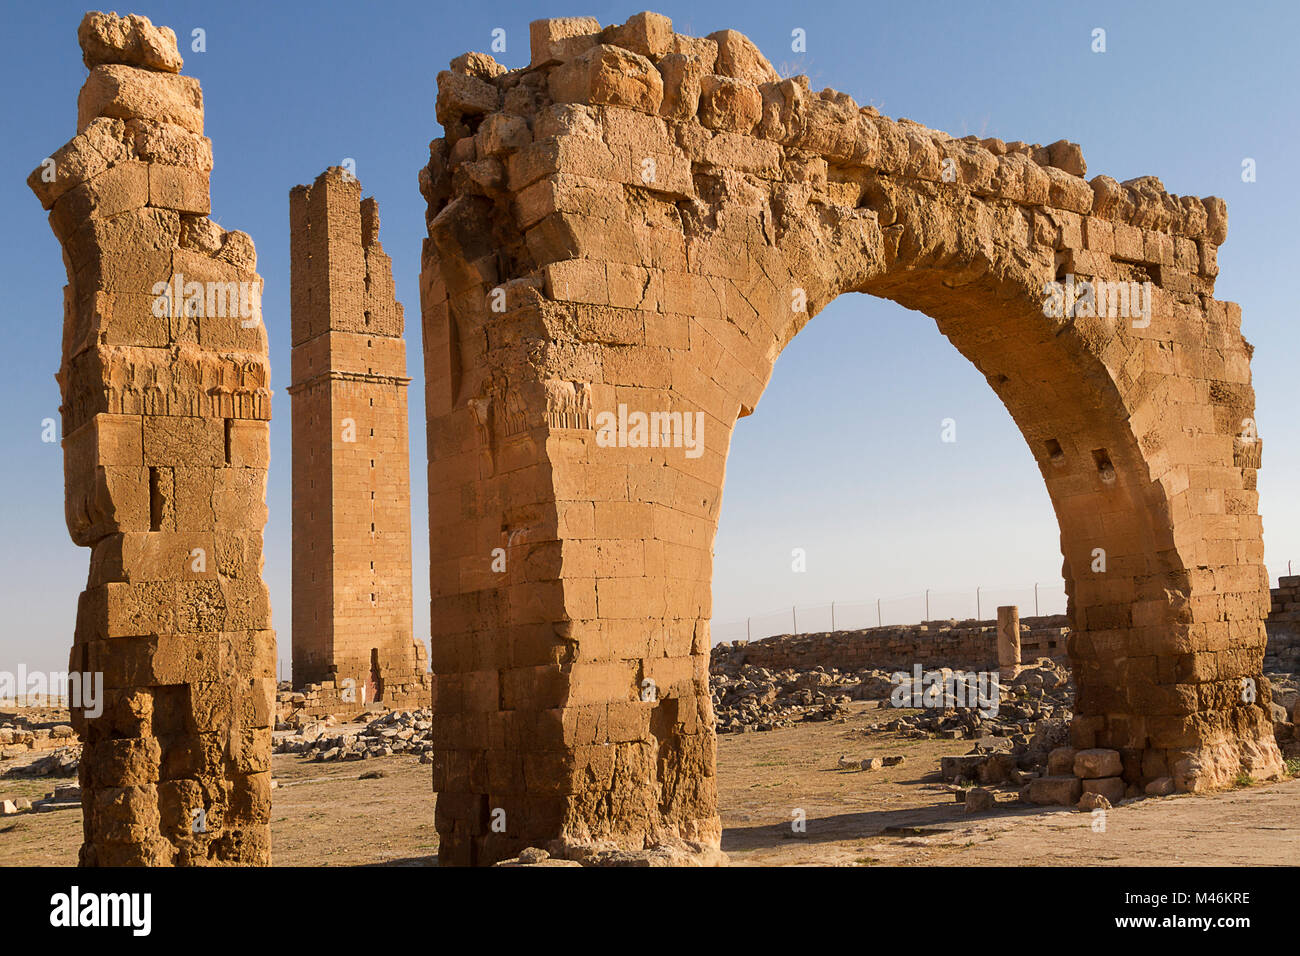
[(502, 133), (131, 41), (1160, 787), (125, 93), (89, 153), (1060, 761), (179, 188), (169, 144), (997, 768), (460, 95), (1093, 801), (1106, 196), (649, 34), (978, 800), (1112, 788), (741, 60), (729, 104), (1068, 192), (1068, 157), (1058, 791), (966, 765), (249, 443), (1097, 762), (195, 441), (609, 75), (116, 190), (681, 77), (561, 38), (477, 64), (127, 253), (702, 48)]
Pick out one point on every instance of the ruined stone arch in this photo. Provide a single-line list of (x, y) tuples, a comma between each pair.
[(624, 222), (634, 217)]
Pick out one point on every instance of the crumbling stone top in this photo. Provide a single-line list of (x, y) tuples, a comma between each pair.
[(725, 82), (130, 41)]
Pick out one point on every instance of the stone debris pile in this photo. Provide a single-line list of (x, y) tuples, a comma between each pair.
[(747, 697), (1042, 691), (1284, 690), (59, 763), (755, 698), (1283, 626), (1089, 779), (20, 736), (396, 732)]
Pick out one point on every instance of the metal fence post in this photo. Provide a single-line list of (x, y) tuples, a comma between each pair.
[(978, 615)]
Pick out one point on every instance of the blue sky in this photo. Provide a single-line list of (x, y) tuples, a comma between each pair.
[(842, 457)]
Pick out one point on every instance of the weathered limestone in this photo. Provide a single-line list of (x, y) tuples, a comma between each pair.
[(165, 408), (638, 223), (352, 627)]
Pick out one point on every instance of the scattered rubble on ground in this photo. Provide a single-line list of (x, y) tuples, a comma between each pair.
[(22, 734), (748, 697), (670, 852), (59, 763), (64, 797), (396, 732), (755, 698)]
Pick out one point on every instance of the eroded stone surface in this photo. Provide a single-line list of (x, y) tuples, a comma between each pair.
[(166, 403), (619, 225)]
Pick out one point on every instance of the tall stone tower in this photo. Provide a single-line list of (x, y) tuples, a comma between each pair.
[(351, 464)]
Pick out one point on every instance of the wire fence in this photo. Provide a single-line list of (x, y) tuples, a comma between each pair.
[(979, 603)]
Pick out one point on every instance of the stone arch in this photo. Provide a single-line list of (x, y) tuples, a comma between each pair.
[(645, 220)]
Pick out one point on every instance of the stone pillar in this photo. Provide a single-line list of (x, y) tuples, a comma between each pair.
[(351, 455), (166, 403), (1008, 642)]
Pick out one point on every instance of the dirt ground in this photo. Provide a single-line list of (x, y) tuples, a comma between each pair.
[(324, 815)]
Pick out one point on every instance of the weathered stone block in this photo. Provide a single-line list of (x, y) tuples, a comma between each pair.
[(1112, 788), (1055, 791), (729, 104), (561, 38), (125, 93), (609, 75)]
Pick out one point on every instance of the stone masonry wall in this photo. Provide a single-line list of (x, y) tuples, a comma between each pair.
[(351, 458), (962, 645), (166, 400), (1283, 625), (973, 644)]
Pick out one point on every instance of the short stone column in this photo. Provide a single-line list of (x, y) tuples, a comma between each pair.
[(1008, 642)]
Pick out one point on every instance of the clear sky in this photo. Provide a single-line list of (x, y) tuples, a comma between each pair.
[(843, 456)]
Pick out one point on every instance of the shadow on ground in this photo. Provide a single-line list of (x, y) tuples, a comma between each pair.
[(853, 826)]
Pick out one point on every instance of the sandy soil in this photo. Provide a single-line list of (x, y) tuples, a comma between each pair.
[(324, 815)]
